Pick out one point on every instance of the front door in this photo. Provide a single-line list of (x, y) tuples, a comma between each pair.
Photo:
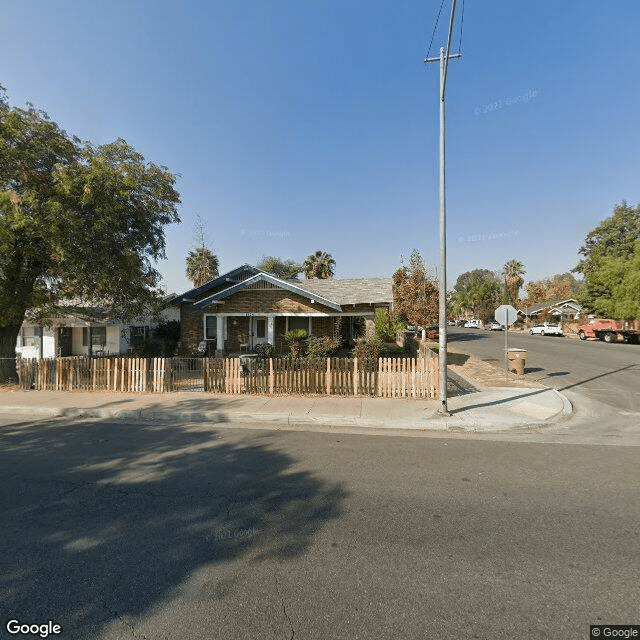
[(258, 330), (64, 341)]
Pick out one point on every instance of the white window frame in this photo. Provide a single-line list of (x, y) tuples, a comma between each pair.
[(204, 325)]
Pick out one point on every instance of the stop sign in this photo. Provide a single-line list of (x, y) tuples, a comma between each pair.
[(506, 315)]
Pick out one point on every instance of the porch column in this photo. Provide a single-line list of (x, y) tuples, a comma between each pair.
[(271, 323), (369, 327), (221, 322)]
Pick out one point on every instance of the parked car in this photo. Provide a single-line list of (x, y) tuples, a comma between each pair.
[(495, 326), (547, 329), (472, 324)]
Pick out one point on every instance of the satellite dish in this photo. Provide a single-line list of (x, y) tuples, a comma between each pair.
[(202, 347)]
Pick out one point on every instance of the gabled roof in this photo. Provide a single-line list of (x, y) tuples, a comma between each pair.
[(551, 304), (261, 276), (328, 292), (236, 275)]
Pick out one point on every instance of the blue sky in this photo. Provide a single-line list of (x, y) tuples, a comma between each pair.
[(313, 124)]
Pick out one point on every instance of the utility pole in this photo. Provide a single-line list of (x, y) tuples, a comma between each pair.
[(443, 59)]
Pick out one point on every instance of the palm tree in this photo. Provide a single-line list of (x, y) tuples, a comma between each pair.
[(319, 265), (513, 272), (202, 266)]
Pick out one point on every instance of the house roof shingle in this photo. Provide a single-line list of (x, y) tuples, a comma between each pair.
[(352, 291), (336, 293)]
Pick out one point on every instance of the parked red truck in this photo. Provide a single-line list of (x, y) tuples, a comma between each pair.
[(608, 330)]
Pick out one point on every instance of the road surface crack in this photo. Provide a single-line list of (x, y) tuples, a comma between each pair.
[(284, 610), (125, 622)]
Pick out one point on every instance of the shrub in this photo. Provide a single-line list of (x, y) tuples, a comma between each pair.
[(321, 347), (385, 328), (264, 350), (296, 339), (368, 349), (167, 334)]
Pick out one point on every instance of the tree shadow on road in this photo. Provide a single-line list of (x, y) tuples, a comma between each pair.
[(464, 337), (103, 521)]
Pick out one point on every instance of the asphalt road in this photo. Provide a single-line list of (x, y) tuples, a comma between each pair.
[(155, 531), (608, 373)]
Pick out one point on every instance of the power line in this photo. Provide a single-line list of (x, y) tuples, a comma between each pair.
[(461, 26), (435, 27)]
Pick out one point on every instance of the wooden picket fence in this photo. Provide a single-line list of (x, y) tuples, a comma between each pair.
[(386, 377), (94, 374)]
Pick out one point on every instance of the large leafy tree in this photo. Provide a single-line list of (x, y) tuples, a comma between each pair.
[(80, 225), (561, 286), (415, 293), (614, 287), (285, 269), (513, 272), (479, 291), (606, 252), (319, 265), (614, 237)]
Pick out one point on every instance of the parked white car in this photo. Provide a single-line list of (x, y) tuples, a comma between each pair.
[(546, 329), (495, 326), (472, 324)]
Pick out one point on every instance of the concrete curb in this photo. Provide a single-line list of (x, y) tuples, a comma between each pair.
[(469, 422)]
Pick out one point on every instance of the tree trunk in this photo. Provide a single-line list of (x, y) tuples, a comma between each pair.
[(8, 339)]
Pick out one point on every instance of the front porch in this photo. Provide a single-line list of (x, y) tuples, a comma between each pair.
[(233, 333)]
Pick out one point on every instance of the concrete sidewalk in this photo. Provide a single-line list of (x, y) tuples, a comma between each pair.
[(476, 404)]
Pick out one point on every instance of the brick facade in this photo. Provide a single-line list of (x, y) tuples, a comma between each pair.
[(271, 301), (191, 329), (259, 301)]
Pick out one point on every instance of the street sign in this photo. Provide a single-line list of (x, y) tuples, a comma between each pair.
[(506, 315)]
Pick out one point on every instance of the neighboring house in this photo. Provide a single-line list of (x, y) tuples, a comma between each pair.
[(247, 306), (558, 310), (90, 332)]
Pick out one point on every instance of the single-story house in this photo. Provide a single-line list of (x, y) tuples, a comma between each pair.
[(558, 310), (246, 306), (89, 332)]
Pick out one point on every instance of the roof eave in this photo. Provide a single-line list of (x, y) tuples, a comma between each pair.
[(262, 276)]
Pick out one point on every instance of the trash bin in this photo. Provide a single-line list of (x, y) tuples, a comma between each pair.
[(517, 358)]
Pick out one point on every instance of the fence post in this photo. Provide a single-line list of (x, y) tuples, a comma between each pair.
[(328, 376), (404, 377), (355, 376)]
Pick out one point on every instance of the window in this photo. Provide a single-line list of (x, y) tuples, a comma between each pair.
[(210, 327), (98, 336), (31, 336), (261, 327), (297, 322)]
